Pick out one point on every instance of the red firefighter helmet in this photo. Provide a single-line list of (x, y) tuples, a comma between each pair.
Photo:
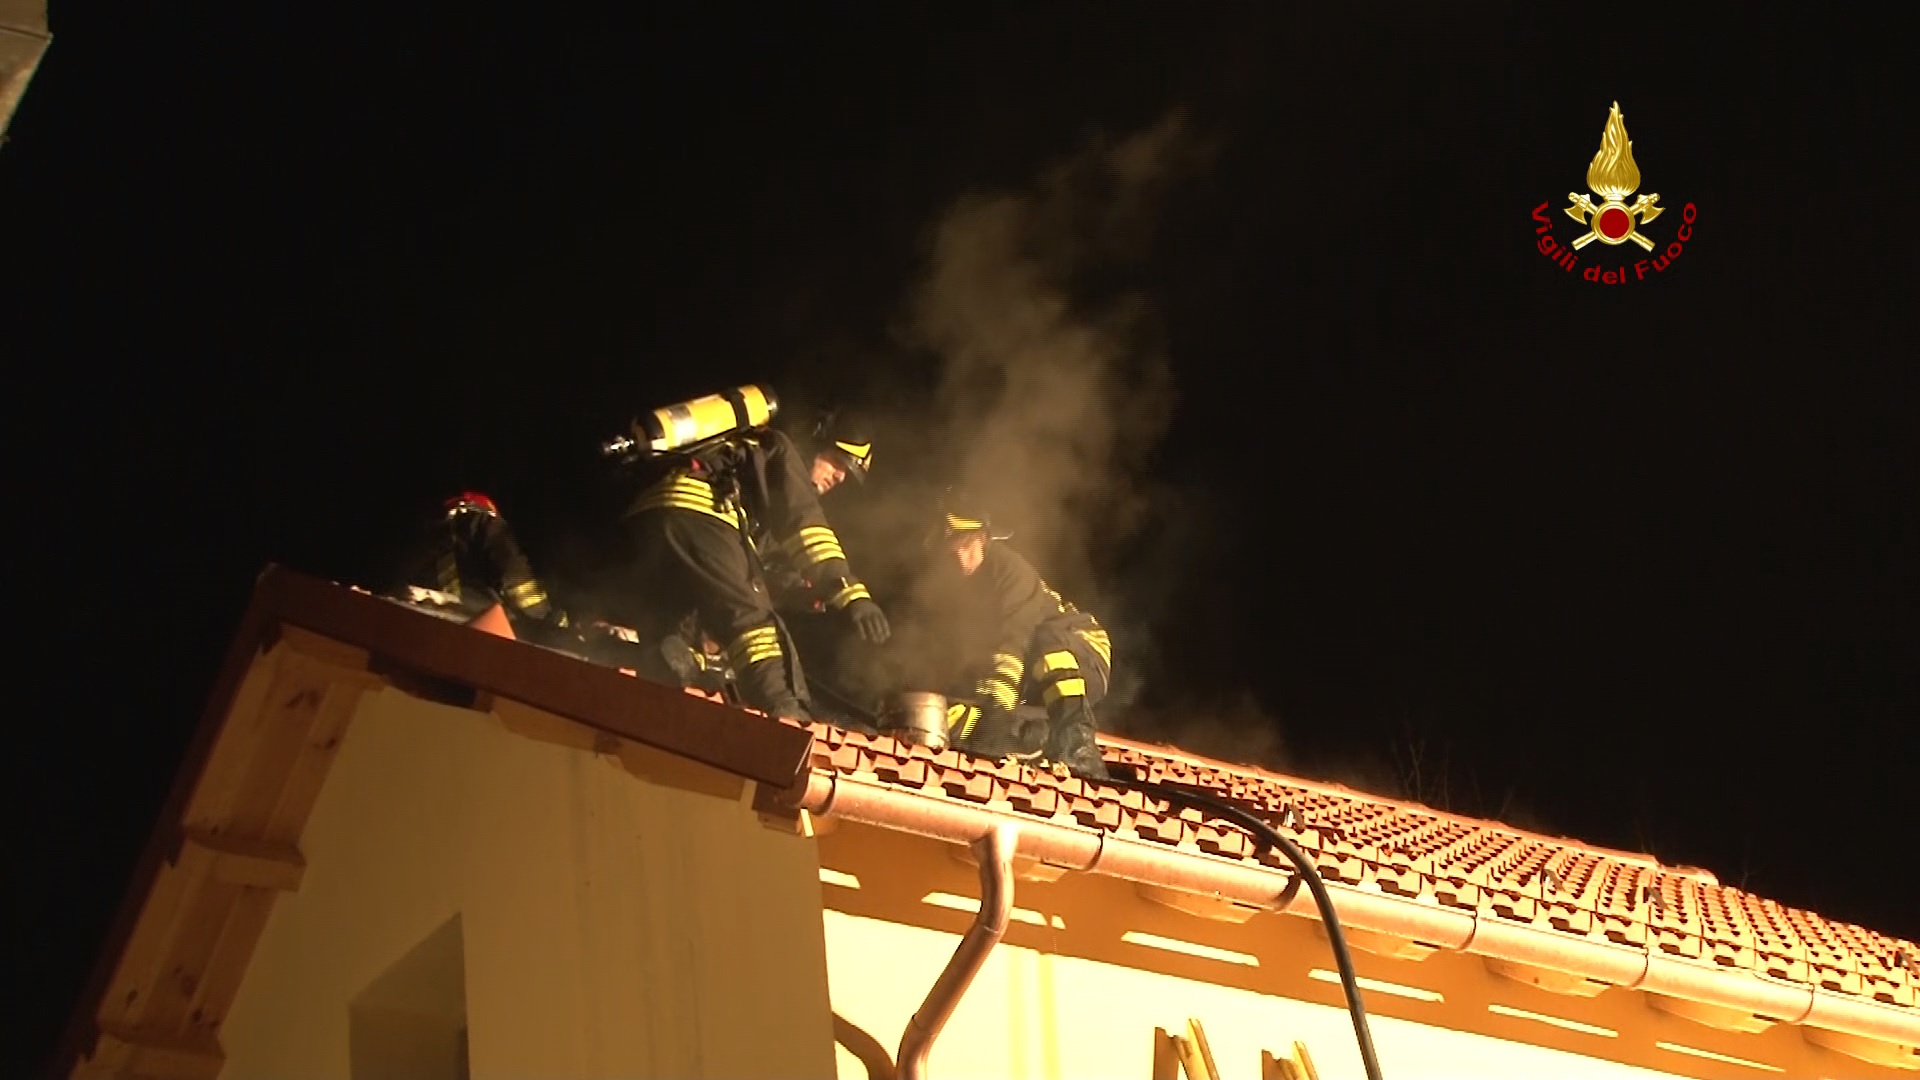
[(471, 502)]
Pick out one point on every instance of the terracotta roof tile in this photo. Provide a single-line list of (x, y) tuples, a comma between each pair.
[(1414, 851)]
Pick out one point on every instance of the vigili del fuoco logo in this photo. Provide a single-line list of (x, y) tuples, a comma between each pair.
[(1613, 177)]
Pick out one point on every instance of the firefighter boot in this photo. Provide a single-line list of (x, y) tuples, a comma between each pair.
[(764, 686), (761, 675), (1070, 741)]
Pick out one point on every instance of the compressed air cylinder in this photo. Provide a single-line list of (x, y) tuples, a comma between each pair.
[(675, 427)]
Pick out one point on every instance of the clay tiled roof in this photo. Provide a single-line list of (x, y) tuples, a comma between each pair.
[(1423, 855), (306, 650)]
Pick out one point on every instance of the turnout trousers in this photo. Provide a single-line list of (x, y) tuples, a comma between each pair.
[(689, 564), (1070, 670), (1067, 670)]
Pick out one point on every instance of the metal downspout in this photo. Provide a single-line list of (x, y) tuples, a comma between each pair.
[(994, 852)]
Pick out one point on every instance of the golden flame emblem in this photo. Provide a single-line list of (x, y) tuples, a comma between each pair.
[(1613, 176)]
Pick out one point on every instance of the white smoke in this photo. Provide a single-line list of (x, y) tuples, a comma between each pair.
[(1053, 388)]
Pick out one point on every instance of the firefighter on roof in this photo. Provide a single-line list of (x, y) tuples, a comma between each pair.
[(840, 453), (1042, 647), (471, 553), (721, 495), (834, 451)]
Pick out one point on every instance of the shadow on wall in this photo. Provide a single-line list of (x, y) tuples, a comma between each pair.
[(411, 1022), (861, 1044)]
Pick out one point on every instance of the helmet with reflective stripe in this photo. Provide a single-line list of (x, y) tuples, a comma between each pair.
[(846, 442), (963, 515)]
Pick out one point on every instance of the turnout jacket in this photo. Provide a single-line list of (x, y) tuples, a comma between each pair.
[(759, 484), (475, 556), (1014, 602)]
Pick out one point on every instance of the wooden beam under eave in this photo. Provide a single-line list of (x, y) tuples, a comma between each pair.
[(234, 850), (671, 770), (290, 705), (342, 660), (246, 861), (131, 1054), (530, 723)]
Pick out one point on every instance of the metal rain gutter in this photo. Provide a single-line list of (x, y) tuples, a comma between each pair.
[(831, 794), (1074, 847), (994, 851)]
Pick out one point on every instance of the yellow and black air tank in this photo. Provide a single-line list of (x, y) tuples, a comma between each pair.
[(675, 427)]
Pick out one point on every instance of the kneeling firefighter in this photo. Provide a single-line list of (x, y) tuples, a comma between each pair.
[(720, 494), (470, 552), (1044, 648)]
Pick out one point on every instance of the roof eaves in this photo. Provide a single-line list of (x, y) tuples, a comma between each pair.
[(831, 792)]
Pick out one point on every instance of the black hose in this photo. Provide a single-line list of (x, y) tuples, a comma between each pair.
[(1271, 837), (846, 702)]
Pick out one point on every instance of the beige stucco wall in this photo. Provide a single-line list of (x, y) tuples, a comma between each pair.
[(612, 927)]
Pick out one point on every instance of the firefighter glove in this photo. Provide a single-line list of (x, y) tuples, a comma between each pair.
[(999, 686), (869, 620), (962, 718)]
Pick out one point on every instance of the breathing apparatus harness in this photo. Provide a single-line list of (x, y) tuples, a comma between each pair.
[(710, 437), (707, 436)]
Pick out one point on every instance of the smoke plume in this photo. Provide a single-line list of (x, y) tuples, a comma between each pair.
[(1050, 383), (1231, 727), (1054, 386)]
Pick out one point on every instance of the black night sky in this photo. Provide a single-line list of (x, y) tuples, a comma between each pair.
[(1635, 562)]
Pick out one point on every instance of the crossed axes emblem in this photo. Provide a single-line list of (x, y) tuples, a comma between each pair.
[(1643, 210)]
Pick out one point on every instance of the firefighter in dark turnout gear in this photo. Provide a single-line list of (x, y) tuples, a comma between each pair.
[(706, 523), (1043, 648), (839, 665), (471, 553), (834, 452)]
